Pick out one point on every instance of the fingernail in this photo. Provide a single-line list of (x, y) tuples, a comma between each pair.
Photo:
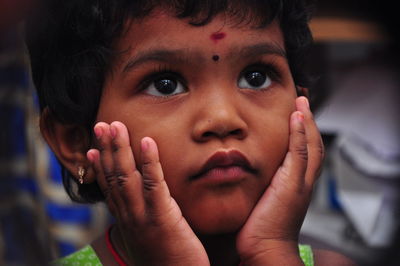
[(98, 132), (89, 155), (306, 102), (145, 144), (113, 131), (300, 117)]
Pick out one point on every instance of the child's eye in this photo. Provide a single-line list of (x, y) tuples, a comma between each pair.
[(164, 86), (256, 78)]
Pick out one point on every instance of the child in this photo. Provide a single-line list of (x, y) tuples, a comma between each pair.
[(201, 149)]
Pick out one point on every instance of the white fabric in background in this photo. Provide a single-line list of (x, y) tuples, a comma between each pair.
[(366, 104)]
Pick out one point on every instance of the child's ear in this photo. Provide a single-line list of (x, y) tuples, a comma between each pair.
[(302, 91), (69, 143)]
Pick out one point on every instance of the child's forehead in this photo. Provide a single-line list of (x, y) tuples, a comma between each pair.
[(221, 34)]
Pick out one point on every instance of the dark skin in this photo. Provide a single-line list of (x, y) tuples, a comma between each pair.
[(145, 163)]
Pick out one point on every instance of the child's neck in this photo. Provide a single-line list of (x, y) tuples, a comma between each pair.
[(221, 249)]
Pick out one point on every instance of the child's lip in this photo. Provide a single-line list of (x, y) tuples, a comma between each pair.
[(224, 159)]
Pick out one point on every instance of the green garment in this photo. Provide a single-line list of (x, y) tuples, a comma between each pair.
[(83, 257), (87, 257)]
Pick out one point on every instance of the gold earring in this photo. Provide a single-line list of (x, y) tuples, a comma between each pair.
[(81, 173)]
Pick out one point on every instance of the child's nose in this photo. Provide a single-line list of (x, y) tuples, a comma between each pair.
[(219, 119)]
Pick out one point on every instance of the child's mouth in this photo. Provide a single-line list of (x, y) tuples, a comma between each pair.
[(225, 167)]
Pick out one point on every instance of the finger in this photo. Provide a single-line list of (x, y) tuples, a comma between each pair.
[(129, 179), (155, 189), (294, 166), (103, 134), (314, 141), (93, 156)]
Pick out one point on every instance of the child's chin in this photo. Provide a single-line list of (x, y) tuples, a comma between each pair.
[(219, 213), (218, 223)]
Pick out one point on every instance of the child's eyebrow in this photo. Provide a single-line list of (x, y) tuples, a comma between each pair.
[(161, 55), (183, 55), (264, 48)]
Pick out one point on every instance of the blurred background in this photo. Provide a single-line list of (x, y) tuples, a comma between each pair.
[(356, 205), (355, 209)]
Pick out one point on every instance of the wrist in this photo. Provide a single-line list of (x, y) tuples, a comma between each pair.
[(273, 253)]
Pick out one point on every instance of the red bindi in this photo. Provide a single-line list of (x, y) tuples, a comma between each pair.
[(216, 36)]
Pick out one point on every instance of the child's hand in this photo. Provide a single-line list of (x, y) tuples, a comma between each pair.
[(270, 235), (151, 224)]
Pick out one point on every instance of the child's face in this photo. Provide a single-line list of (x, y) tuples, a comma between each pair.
[(224, 92)]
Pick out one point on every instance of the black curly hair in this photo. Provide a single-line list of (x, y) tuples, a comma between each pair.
[(71, 49)]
